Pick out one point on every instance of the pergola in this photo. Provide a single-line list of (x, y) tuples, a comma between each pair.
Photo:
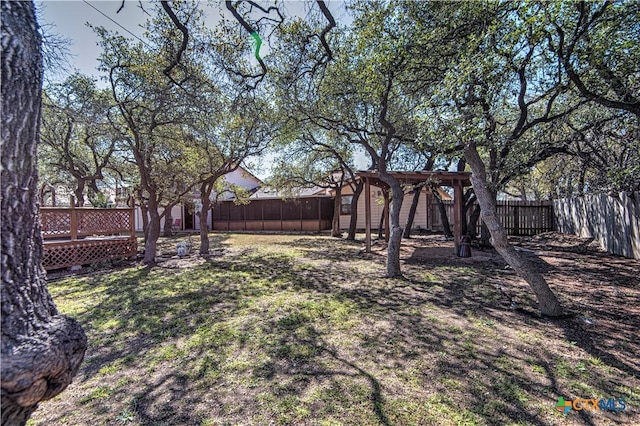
[(457, 180)]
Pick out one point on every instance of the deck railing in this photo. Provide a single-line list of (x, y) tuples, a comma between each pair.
[(76, 223), (78, 236)]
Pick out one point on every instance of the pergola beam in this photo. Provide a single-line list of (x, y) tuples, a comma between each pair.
[(457, 180)]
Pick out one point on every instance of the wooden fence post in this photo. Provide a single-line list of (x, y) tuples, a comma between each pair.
[(132, 218), (73, 218)]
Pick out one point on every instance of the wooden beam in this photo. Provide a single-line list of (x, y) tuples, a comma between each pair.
[(367, 213), (73, 218), (458, 205)]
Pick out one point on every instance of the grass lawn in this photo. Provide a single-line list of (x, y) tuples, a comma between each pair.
[(304, 330)]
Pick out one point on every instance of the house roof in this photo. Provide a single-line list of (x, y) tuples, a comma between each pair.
[(267, 192), (443, 178), (248, 173)]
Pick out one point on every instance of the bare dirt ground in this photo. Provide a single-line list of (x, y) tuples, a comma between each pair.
[(600, 292)]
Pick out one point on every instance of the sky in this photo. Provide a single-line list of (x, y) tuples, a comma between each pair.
[(69, 19)]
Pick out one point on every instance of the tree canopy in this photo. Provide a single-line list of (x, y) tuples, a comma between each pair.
[(511, 89)]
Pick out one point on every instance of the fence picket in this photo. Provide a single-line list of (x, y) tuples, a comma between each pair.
[(522, 218), (614, 221)]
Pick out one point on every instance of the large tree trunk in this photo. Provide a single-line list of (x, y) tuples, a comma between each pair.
[(335, 227), (144, 210), (152, 234), (168, 221), (395, 239), (466, 203), (353, 221), (205, 194), (473, 222), (547, 300), (412, 211), (79, 193), (41, 350)]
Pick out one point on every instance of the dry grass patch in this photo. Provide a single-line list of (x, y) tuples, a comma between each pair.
[(291, 329)]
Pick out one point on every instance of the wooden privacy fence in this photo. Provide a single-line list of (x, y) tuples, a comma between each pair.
[(525, 218), (612, 220), (522, 218), (79, 236)]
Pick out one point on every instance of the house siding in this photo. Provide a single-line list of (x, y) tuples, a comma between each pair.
[(426, 218)]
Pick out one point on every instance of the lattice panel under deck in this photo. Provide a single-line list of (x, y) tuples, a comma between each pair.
[(82, 252), (56, 223), (103, 221)]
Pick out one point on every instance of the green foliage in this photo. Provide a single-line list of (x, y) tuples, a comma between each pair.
[(78, 138)]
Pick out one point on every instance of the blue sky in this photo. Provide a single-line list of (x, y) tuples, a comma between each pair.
[(69, 19)]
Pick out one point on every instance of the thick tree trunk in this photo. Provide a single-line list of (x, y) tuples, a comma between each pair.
[(395, 239), (168, 221), (446, 227), (473, 222), (387, 206), (204, 219), (152, 234), (335, 227), (41, 350), (79, 194), (412, 212), (466, 203), (144, 210), (485, 236), (353, 221), (547, 300)]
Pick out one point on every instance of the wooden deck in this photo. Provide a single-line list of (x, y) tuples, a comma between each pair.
[(80, 236)]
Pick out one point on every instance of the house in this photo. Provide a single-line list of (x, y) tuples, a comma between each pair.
[(312, 209), (186, 216)]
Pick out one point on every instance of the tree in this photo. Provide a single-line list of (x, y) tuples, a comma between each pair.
[(502, 86), (223, 145), (596, 44), (599, 153), (41, 349), (310, 156), (77, 134), (355, 97), (157, 112)]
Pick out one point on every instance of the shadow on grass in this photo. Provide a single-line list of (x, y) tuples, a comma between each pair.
[(315, 325)]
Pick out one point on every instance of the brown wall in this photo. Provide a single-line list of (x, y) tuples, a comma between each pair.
[(305, 214)]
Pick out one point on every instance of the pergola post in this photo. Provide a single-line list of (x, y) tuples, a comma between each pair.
[(456, 180), (367, 213), (458, 213)]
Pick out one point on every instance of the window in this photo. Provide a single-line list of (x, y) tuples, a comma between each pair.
[(345, 204)]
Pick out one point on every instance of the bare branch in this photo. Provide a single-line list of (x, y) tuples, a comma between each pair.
[(185, 38), (323, 35)]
